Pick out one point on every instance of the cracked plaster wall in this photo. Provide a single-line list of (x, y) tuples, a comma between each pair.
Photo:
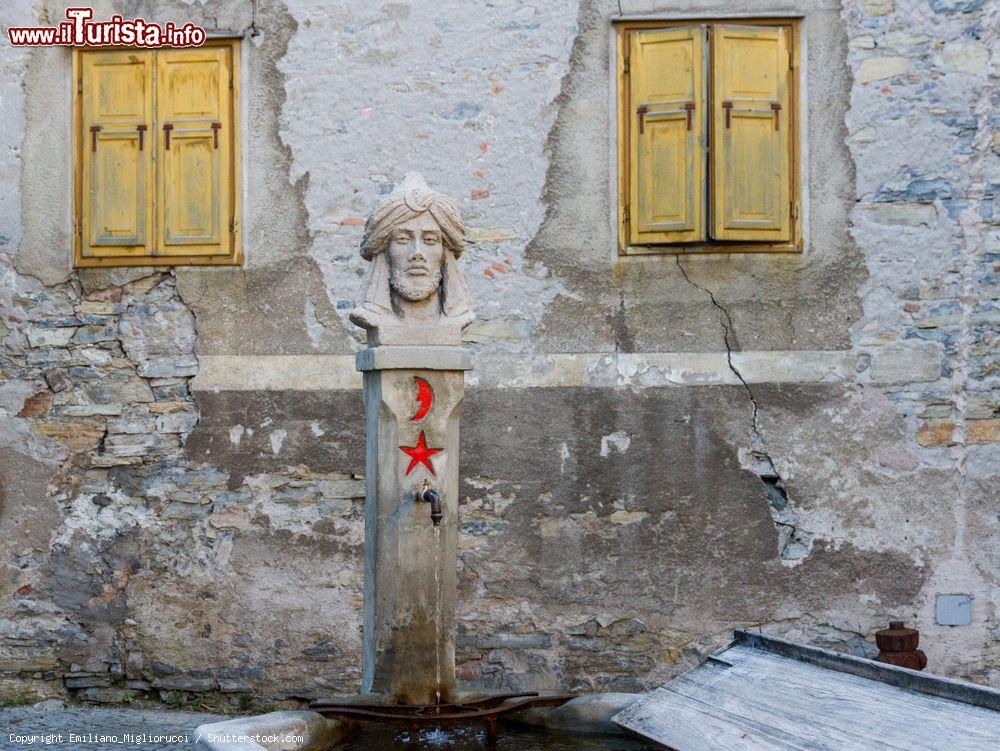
[(168, 542)]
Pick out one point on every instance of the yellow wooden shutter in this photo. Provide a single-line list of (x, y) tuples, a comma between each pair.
[(194, 114), (666, 135), (751, 144), (116, 154)]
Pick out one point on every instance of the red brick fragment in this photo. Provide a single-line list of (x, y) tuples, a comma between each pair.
[(36, 405), (111, 294)]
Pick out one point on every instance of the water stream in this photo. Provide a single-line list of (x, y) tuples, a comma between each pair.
[(437, 611)]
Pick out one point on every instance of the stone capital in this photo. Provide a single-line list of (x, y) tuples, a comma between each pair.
[(414, 358)]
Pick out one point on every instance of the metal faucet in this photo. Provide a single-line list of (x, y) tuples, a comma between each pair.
[(431, 496)]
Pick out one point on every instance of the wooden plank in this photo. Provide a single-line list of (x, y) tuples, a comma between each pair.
[(813, 703), (745, 697), (926, 683), (685, 725)]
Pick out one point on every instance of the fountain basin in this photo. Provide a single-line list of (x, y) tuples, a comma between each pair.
[(473, 709), (510, 738), (583, 722)]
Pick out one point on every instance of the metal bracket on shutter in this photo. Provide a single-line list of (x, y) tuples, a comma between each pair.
[(626, 214), (728, 109), (777, 109), (215, 133), (142, 132), (94, 130), (627, 66), (643, 110), (167, 127)]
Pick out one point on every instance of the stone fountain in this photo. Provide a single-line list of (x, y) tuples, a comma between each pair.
[(414, 307)]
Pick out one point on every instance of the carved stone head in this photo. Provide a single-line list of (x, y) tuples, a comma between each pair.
[(414, 293)]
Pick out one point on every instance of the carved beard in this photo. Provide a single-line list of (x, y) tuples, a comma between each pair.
[(414, 288)]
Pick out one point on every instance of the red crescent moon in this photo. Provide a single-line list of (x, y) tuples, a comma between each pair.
[(425, 396)]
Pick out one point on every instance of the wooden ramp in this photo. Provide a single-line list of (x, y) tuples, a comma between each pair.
[(767, 693)]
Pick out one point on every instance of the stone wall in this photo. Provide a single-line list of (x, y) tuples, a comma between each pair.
[(655, 450)]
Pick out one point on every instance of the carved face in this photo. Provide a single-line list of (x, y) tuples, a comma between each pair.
[(415, 255)]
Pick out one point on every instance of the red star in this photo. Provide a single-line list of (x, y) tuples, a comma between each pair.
[(420, 454)]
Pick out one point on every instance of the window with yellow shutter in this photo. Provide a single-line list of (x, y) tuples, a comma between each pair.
[(707, 136), (157, 156)]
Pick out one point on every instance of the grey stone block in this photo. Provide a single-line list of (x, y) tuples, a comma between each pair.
[(590, 713), (86, 680), (103, 695), (185, 683), (274, 731)]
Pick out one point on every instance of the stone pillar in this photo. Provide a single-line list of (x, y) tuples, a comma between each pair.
[(413, 398), (414, 306)]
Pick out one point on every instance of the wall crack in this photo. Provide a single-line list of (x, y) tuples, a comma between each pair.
[(794, 544)]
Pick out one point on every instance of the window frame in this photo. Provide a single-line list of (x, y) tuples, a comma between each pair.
[(622, 28), (235, 258)]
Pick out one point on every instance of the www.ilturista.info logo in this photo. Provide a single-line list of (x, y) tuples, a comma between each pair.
[(79, 31)]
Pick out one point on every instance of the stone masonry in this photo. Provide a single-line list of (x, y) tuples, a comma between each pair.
[(655, 449)]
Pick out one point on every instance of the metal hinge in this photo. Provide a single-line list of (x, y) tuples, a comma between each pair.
[(791, 60), (795, 210), (230, 79), (626, 214), (626, 68), (79, 85), (232, 224)]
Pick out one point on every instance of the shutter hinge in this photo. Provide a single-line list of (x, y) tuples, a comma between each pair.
[(79, 85), (627, 66), (230, 79), (232, 224), (791, 60), (795, 210), (626, 214)]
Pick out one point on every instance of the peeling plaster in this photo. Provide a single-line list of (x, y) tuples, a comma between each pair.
[(618, 441), (487, 102)]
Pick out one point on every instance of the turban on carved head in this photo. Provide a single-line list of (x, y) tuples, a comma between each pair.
[(407, 201)]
